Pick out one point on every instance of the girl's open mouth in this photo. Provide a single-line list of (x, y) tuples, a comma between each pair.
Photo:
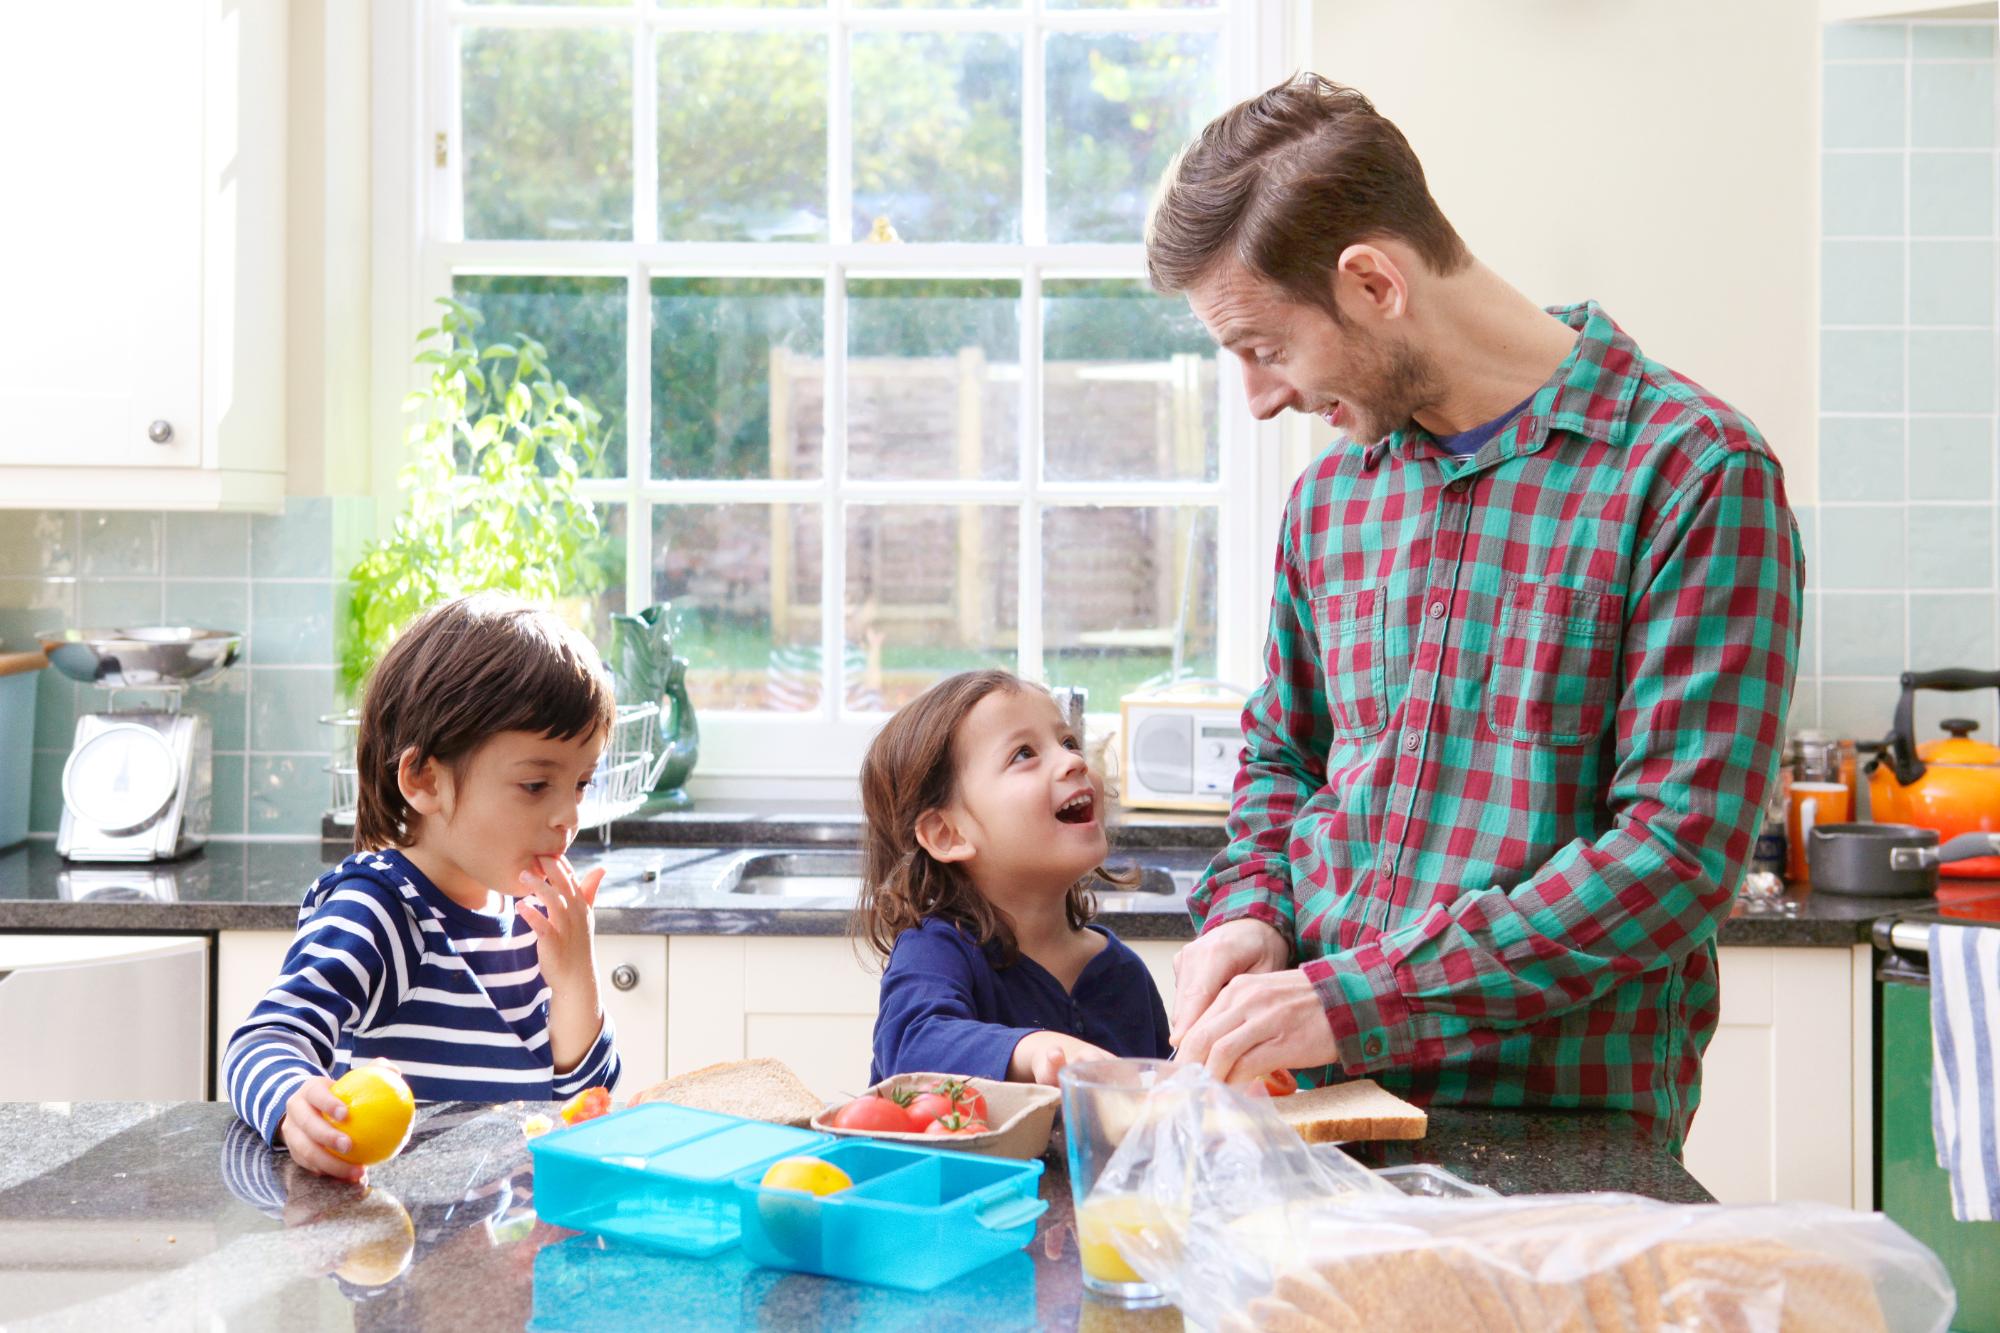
[(1078, 809)]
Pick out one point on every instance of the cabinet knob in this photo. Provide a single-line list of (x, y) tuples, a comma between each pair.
[(624, 976), (160, 432)]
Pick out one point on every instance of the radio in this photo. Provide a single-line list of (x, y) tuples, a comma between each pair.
[(1180, 748)]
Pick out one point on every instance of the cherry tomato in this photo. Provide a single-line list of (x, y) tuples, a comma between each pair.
[(965, 1099), (955, 1126), (1280, 1083), (928, 1106), (875, 1115), (586, 1105)]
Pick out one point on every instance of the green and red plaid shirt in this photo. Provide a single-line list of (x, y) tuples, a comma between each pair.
[(1521, 712)]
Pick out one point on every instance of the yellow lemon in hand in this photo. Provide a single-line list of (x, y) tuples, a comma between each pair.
[(809, 1174), (380, 1110)]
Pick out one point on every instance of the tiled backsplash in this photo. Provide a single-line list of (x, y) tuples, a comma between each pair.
[(1903, 569), (271, 577)]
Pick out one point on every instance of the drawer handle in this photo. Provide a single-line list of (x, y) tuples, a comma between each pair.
[(160, 432), (624, 976)]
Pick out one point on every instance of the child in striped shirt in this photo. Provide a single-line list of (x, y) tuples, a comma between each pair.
[(456, 941)]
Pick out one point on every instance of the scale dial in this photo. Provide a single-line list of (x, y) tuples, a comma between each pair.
[(121, 779)]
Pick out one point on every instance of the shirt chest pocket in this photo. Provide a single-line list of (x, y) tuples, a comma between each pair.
[(1554, 663), (1351, 627)]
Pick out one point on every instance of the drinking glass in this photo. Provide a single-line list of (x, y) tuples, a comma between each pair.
[(1101, 1100)]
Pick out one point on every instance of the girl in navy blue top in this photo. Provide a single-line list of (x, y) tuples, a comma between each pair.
[(984, 829)]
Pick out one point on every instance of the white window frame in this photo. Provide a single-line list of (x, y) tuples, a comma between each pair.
[(811, 755)]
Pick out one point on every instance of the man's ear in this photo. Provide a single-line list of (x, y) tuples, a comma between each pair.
[(940, 834), (424, 783), (1370, 278)]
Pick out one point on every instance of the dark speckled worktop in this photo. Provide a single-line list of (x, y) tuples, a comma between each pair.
[(129, 1215), (665, 888)]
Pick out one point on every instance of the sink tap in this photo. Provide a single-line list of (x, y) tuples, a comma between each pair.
[(1071, 700)]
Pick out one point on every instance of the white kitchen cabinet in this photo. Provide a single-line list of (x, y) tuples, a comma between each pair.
[(142, 355), (1786, 1110), (87, 1017), (809, 1002), (631, 984)]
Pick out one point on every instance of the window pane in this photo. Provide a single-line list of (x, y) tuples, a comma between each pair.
[(548, 135), (581, 323), (930, 590), (745, 579), (1130, 4), (606, 559), (937, 135), (738, 385), (1128, 384), (1118, 584), (936, 4), (742, 136), (1120, 106), (933, 378)]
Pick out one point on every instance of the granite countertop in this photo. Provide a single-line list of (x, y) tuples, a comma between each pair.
[(661, 888), (126, 1214)]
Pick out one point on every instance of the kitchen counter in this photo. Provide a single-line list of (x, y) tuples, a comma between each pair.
[(125, 1214), (672, 890)]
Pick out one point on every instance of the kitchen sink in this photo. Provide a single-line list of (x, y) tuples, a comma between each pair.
[(836, 873)]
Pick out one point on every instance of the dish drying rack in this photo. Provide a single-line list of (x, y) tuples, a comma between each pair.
[(625, 774)]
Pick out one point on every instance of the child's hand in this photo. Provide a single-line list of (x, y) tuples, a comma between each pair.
[(1040, 1056), (562, 920), (309, 1134)]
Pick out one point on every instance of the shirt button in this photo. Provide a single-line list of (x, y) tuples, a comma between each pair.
[(1436, 609), (1372, 1047), (1458, 487), (1411, 740)]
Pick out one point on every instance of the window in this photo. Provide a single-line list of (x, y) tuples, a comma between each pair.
[(859, 288)]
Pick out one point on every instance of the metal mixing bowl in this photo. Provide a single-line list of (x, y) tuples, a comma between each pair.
[(149, 657)]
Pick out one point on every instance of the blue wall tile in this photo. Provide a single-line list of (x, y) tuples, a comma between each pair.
[(1862, 633), (1951, 41), (1861, 547), (209, 604), (1861, 282), (1951, 546), (1951, 106), (1951, 458), (208, 545), (118, 603), (297, 544), (38, 542), (287, 793), (1861, 458), (285, 707), (1951, 629), (225, 700), (1951, 194), (1862, 106), (1951, 282), (1951, 371), (229, 777), (120, 543), (1865, 41), (1861, 194), (1861, 371), (1861, 709)]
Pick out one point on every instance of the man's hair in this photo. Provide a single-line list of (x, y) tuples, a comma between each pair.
[(464, 672), (1285, 182)]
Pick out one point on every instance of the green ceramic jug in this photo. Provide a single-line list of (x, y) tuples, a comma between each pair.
[(645, 670)]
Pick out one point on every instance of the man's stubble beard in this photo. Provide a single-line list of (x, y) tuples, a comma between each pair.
[(1405, 380)]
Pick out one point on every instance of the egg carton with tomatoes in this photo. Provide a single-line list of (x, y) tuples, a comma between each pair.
[(973, 1115)]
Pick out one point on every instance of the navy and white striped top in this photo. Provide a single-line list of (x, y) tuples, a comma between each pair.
[(384, 964)]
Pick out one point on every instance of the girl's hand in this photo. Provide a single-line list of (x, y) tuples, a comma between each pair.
[(561, 919), (310, 1134), (1040, 1056)]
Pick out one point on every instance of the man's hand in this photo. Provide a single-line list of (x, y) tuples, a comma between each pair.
[(1040, 1056), (1204, 967), (310, 1134), (1261, 1022)]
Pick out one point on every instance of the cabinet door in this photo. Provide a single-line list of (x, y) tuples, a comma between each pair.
[(1782, 1108), (103, 232), (807, 1002), (248, 961), (87, 1017)]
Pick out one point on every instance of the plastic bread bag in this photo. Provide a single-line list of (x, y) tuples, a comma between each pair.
[(1223, 1207)]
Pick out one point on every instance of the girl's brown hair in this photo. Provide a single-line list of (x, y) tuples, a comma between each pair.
[(910, 769), (464, 672)]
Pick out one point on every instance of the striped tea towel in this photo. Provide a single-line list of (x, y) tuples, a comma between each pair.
[(1965, 1065)]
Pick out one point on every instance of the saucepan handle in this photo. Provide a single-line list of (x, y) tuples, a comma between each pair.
[(1968, 845)]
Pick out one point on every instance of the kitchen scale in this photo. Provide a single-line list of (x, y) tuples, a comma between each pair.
[(137, 784)]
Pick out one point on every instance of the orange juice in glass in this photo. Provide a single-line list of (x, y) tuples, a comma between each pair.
[(1102, 1100)]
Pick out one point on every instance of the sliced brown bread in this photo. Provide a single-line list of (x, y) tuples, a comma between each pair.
[(1345, 1111), (762, 1089)]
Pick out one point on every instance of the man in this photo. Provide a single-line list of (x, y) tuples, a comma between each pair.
[(1530, 657)]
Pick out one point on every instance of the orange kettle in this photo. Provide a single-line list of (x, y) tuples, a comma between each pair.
[(1950, 784)]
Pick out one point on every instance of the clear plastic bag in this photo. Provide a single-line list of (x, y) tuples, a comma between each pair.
[(1220, 1204)]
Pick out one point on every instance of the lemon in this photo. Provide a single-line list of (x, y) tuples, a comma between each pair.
[(380, 1110), (808, 1174)]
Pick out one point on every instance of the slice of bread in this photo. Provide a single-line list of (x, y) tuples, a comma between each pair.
[(1345, 1111), (762, 1089)]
